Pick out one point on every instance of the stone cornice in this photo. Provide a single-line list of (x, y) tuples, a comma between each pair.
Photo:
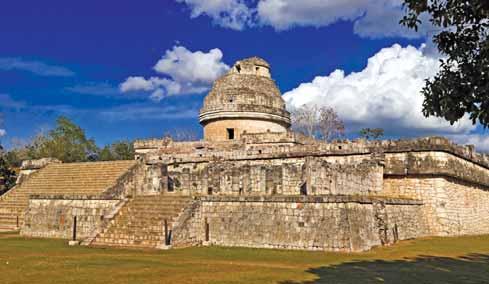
[(313, 199), (208, 116)]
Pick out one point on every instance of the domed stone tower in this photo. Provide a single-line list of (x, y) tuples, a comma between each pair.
[(245, 99)]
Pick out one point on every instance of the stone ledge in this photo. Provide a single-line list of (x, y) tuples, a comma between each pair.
[(69, 197), (239, 151), (452, 166), (314, 199), (38, 164)]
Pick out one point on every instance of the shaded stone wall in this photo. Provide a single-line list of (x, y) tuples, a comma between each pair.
[(334, 223), (53, 218)]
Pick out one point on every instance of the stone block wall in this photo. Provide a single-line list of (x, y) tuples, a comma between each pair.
[(153, 179), (405, 222), (454, 190), (333, 223), (142, 179), (53, 217), (311, 176), (436, 163), (451, 207), (217, 130), (362, 178)]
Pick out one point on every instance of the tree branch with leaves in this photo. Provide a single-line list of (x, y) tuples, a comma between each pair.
[(462, 84)]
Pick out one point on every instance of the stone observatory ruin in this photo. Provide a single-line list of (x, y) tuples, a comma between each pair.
[(252, 182), (246, 100)]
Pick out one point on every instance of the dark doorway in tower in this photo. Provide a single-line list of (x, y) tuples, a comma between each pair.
[(230, 132), (171, 184)]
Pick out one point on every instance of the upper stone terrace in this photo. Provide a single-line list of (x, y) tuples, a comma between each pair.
[(289, 144)]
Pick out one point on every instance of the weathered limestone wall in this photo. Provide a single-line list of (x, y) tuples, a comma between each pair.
[(454, 190), (153, 179), (436, 163), (311, 176), (333, 223), (140, 180), (53, 218), (216, 130), (451, 207), (52, 215), (363, 178)]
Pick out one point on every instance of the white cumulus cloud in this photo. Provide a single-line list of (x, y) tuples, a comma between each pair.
[(371, 18), (234, 14), (183, 71), (137, 83), (385, 94), (283, 14), (3, 132)]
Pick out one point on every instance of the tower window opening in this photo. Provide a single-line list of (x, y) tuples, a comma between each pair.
[(230, 132), (238, 68), (171, 184)]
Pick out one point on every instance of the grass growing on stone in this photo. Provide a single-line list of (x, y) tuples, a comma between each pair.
[(432, 260)]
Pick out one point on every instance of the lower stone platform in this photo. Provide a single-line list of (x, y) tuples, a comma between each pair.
[(331, 223)]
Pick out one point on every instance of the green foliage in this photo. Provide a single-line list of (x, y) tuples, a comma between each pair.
[(121, 150), (373, 133), (7, 174), (462, 84), (67, 142), (14, 157)]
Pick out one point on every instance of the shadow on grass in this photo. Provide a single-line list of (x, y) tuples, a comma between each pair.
[(473, 268)]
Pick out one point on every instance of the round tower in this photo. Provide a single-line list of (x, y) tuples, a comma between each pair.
[(246, 99)]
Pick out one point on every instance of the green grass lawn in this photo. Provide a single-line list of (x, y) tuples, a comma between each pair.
[(433, 260)]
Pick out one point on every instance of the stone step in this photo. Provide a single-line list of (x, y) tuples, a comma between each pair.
[(64, 179), (149, 211), (127, 244), (129, 235), (140, 223), (146, 219), (139, 228), (143, 214), (7, 228)]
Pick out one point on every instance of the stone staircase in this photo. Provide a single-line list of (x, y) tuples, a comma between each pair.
[(141, 222), (92, 178)]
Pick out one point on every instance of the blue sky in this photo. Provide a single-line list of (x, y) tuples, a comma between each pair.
[(72, 58)]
